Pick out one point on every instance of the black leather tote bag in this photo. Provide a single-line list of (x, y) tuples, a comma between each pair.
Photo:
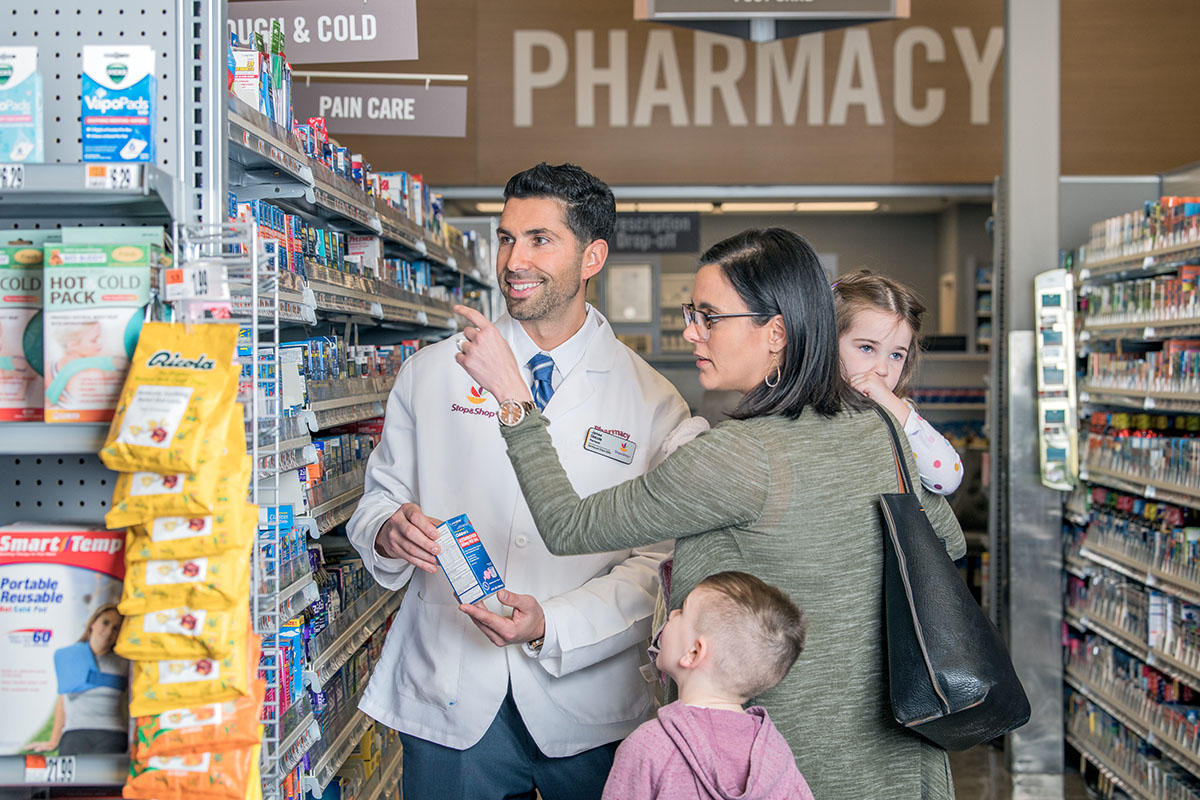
[(951, 677)]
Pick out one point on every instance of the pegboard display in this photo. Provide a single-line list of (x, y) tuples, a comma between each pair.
[(59, 30), (55, 488)]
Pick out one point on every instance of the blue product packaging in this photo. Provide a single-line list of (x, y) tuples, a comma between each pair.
[(21, 131), (465, 561), (118, 94)]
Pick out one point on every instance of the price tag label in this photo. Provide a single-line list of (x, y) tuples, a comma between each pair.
[(1151, 492), (111, 176), (1149, 402), (200, 282), (49, 769), (1148, 333), (1084, 274), (376, 310), (453, 262), (12, 177), (1148, 261), (1084, 397)]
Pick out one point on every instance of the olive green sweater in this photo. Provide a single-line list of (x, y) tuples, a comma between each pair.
[(795, 502)]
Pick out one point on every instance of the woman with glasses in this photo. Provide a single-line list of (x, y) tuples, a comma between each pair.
[(787, 490)]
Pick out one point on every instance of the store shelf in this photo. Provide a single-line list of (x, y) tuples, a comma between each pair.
[(1174, 749), (345, 402), (56, 771), (43, 438), (1139, 398), (1138, 264), (328, 763), (34, 191), (1149, 488), (1119, 777), (387, 776), (355, 628), (943, 355), (1173, 667), (299, 731), (1141, 572), (264, 155), (297, 596), (1144, 330)]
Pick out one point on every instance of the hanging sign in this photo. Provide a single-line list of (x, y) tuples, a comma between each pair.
[(384, 109), (656, 233), (332, 31), (776, 9)]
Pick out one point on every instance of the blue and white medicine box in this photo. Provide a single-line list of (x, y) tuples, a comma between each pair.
[(21, 132), (465, 561), (118, 94)]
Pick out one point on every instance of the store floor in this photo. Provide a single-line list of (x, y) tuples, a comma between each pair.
[(979, 774)]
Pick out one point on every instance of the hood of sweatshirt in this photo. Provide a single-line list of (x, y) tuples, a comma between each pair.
[(733, 755)]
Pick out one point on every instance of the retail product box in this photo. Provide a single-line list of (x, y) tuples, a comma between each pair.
[(59, 586), (21, 324), (118, 96), (95, 297), (465, 561), (21, 126)]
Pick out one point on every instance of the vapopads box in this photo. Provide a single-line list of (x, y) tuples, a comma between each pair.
[(20, 105), (465, 561), (95, 296), (118, 95), (59, 585)]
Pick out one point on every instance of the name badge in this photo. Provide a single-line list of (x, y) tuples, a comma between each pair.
[(609, 446)]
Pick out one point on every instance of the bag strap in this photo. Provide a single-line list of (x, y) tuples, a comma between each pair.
[(897, 452)]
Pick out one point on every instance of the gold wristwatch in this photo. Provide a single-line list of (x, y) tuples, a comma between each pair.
[(513, 411)]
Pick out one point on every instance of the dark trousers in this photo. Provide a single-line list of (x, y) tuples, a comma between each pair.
[(505, 764), (83, 741)]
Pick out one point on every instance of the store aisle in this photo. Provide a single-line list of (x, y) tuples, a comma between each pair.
[(979, 774)]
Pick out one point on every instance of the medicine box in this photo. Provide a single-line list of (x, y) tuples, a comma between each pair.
[(21, 131), (118, 97), (21, 324), (465, 561), (94, 298)]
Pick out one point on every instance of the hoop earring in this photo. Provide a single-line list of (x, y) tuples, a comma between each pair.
[(778, 377)]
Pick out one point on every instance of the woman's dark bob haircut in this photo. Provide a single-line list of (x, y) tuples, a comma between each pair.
[(775, 272)]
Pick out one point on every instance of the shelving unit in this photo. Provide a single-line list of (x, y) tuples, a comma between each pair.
[(1126, 555)]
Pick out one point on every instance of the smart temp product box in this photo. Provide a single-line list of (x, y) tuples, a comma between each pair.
[(118, 103), (465, 561), (21, 132)]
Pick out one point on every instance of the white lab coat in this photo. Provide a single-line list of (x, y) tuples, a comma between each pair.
[(439, 678)]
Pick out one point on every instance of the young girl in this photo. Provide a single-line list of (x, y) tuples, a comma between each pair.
[(878, 322)]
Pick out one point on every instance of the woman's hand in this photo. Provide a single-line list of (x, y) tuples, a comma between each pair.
[(488, 359)]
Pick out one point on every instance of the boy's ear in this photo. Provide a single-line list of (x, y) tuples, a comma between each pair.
[(696, 654)]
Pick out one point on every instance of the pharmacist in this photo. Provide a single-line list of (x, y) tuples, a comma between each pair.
[(536, 690)]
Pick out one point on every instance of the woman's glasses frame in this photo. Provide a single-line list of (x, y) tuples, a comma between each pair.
[(693, 315)]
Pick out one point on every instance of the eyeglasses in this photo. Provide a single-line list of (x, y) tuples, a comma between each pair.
[(692, 315)]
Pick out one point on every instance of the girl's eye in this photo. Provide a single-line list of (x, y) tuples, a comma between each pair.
[(866, 348), (897, 356)]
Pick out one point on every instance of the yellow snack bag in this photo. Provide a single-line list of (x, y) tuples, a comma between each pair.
[(182, 632), (224, 475), (162, 685), (180, 383), (212, 726), (220, 775), (214, 583), (229, 527)]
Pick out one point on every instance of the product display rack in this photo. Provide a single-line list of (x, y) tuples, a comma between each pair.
[(211, 143), (1128, 573)]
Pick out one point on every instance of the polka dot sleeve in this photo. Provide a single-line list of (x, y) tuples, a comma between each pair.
[(937, 460)]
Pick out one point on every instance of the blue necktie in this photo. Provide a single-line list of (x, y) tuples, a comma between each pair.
[(543, 370)]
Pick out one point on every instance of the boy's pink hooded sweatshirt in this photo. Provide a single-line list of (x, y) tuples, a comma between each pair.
[(694, 753)]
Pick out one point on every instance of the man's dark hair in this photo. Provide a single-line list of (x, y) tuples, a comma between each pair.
[(591, 209)]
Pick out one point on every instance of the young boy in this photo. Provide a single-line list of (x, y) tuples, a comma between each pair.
[(734, 638)]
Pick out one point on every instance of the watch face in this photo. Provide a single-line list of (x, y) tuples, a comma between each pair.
[(511, 412)]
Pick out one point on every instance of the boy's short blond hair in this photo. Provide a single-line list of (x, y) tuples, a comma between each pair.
[(756, 630)]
